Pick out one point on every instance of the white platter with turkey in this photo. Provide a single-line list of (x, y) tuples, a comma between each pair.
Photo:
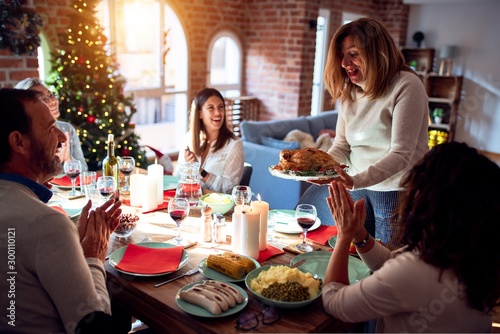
[(305, 164)]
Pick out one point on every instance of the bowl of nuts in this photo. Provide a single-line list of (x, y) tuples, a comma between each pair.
[(284, 287), (127, 225)]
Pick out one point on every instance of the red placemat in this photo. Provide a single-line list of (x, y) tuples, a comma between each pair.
[(269, 252), (145, 260), (322, 234), (64, 181)]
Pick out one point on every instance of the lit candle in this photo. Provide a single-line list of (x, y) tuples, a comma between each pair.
[(136, 184), (250, 227), (263, 208), (156, 171), (149, 197)]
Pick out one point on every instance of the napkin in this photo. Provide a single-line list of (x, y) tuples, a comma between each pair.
[(322, 234), (64, 181), (269, 252), (145, 260)]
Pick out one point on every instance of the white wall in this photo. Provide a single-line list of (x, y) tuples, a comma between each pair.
[(474, 27)]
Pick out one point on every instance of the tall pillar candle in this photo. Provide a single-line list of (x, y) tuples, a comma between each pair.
[(236, 231), (263, 208), (250, 227), (156, 171), (149, 194), (136, 184)]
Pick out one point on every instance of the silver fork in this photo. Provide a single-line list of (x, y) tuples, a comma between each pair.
[(187, 273)]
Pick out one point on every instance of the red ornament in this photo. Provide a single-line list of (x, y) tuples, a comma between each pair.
[(91, 119), (125, 152)]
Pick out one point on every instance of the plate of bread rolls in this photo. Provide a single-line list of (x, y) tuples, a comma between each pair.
[(227, 267), (211, 299)]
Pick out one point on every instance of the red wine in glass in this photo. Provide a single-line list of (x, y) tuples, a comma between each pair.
[(73, 173), (305, 214), (106, 192), (305, 223), (178, 216), (126, 170)]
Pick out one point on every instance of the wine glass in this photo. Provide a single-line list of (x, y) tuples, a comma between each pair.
[(306, 217), (106, 186), (178, 209), (126, 166), (242, 195), (73, 168)]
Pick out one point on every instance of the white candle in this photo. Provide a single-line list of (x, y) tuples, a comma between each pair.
[(250, 227), (149, 197), (263, 208), (136, 184), (156, 171), (236, 231)]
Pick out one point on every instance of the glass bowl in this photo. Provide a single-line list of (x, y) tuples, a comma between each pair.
[(127, 225)]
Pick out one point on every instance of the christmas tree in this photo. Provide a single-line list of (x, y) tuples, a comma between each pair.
[(90, 89)]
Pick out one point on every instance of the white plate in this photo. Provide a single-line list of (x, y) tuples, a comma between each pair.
[(290, 175), (201, 312), (317, 262), (286, 222), (117, 255), (215, 275)]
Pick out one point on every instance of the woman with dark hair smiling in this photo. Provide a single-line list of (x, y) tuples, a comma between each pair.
[(210, 142), (446, 277)]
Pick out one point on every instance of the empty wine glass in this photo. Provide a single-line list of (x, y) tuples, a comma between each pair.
[(126, 166), (106, 186), (73, 168), (242, 195), (178, 209), (306, 217)]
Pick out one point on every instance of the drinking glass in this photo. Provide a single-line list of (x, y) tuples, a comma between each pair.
[(178, 209), (126, 166), (306, 217), (242, 195), (106, 186), (73, 168)]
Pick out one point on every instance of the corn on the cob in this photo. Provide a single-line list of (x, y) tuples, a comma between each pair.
[(248, 264), (225, 266)]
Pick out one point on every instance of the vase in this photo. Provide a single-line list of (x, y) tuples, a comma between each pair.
[(438, 120)]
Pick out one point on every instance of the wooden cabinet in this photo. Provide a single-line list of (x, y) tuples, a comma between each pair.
[(444, 94), (419, 59)]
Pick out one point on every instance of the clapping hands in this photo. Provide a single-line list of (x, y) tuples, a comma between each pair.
[(96, 226)]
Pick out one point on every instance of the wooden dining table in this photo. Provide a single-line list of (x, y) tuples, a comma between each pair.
[(157, 307)]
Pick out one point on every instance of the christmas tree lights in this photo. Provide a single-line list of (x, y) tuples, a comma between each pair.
[(90, 89)]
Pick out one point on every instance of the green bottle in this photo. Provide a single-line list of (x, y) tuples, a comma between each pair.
[(110, 163)]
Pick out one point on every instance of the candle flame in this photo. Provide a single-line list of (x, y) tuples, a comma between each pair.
[(156, 161), (258, 197)]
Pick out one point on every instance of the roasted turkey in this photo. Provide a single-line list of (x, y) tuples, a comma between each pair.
[(305, 159)]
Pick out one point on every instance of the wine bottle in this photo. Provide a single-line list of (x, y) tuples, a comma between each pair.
[(110, 164)]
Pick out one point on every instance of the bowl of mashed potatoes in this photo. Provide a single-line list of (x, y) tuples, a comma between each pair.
[(218, 202), (284, 287)]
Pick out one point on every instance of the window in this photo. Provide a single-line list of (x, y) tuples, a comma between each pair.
[(140, 32), (318, 88), (224, 62)]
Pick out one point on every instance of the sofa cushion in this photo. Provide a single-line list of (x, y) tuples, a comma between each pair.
[(280, 144), (253, 131), (325, 120)]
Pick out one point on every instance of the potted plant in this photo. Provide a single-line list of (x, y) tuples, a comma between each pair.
[(437, 114)]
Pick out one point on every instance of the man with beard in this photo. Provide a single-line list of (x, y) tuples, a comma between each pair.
[(53, 277)]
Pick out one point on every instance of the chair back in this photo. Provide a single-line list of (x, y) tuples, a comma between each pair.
[(247, 174)]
